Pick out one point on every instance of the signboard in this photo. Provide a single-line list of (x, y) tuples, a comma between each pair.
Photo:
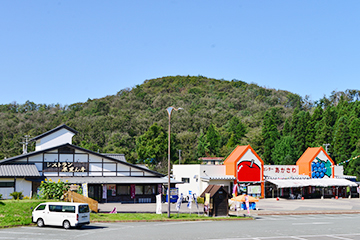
[(65, 167), (256, 189), (281, 170), (104, 192), (158, 204), (249, 171), (85, 189)]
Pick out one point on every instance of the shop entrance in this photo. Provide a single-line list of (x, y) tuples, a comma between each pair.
[(95, 192)]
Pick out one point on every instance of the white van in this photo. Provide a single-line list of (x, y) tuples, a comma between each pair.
[(61, 214)]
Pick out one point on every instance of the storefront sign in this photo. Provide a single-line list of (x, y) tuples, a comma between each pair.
[(85, 189), (281, 170), (65, 167), (249, 171)]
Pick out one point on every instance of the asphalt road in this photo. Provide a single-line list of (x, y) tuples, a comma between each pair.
[(303, 227)]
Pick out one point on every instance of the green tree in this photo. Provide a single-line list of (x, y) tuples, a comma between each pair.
[(270, 135), (213, 138), (341, 142), (237, 130), (283, 152), (151, 147)]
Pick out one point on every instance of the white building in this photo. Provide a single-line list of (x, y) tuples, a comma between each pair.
[(108, 177), (196, 177)]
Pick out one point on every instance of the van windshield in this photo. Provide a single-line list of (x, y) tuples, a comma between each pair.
[(84, 208)]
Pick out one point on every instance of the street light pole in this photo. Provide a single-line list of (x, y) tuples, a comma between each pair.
[(169, 110)]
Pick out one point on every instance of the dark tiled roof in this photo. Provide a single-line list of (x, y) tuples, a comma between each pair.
[(54, 130), (213, 189), (19, 170)]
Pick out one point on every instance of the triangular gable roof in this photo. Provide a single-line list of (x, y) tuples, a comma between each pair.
[(235, 156), (308, 157), (54, 130), (9, 160), (213, 189)]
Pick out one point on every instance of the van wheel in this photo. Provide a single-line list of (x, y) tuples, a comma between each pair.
[(66, 224), (40, 222)]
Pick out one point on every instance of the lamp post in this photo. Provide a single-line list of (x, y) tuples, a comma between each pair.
[(169, 110)]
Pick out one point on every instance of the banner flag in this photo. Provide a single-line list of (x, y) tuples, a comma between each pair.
[(178, 203), (190, 202), (158, 204)]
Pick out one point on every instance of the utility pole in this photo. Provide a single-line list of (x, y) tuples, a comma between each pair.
[(25, 143), (327, 147), (179, 156)]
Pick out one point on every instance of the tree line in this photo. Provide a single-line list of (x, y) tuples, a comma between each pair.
[(218, 115)]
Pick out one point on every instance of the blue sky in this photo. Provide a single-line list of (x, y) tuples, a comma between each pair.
[(68, 51)]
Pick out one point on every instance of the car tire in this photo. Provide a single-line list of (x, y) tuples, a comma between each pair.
[(66, 224), (40, 222)]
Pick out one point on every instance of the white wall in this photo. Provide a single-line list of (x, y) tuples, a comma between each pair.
[(21, 185), (194, 172), (55, 139)]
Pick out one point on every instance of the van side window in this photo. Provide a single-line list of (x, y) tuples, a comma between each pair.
[(84, 208), (41, 207), (55, 208), (70, 209)]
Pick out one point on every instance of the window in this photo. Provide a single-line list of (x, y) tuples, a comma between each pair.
[(84, 209), (41, 207), (185, 180), (70, 209), (149, 189), (139, 189), (55, 208), (123, 190), (7, 184)]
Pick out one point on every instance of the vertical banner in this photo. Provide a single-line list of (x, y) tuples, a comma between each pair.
[(84, 187), (104, 191), (159, 189), (247, 204), (178, 203), (158, 204), (132, 191), (190, 201)]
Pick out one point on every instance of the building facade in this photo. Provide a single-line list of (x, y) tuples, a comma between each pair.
[(108, 177)]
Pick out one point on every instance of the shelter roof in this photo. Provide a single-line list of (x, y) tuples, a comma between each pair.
[(213, 189), (19, 170), (323, 182), (114, 180)]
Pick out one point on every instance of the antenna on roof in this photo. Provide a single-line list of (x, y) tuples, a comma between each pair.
[(25, 143)]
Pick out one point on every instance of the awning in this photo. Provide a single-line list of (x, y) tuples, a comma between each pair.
[(112, 180), (218, 177), (327, 182)]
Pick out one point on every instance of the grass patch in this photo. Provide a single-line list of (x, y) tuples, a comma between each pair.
[(18, 213)]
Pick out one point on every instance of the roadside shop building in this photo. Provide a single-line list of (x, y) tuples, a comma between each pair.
[(107, 177)]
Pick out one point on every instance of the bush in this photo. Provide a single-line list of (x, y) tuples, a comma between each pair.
[(17, 195), (0, 196), (53, 190), (200, 200)]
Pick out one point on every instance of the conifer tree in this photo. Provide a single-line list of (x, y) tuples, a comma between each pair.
[(341, 142)]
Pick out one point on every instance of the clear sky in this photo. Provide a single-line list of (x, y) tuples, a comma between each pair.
[(68, 51)]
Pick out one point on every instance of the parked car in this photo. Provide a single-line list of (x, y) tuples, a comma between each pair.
[(61, 214)]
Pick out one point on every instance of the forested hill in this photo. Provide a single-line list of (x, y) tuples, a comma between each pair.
[(217, 116)]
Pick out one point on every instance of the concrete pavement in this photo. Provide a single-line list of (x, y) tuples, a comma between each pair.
[(264, 207)]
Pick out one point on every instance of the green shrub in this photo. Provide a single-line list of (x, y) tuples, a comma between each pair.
[(200, 200), (53, 190), (17, 195), (0, 196)]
